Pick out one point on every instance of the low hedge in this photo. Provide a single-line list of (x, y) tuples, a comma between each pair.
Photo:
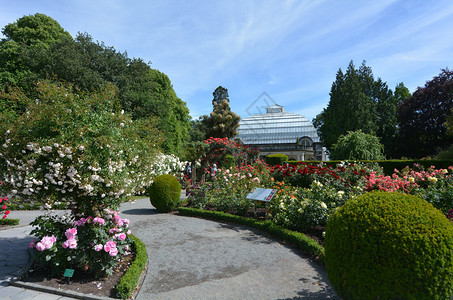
[(9, 222), (300, 240), (276, 159), (131, 278)]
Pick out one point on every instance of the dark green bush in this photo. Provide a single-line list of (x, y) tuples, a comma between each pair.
[(10, 222), (276, 159), (165, 192), (384, 245), (229, 161), (131, 278)]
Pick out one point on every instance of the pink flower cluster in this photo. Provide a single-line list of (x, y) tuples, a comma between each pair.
[(389, 183), (110, 248), (71, 241), (45, 243)]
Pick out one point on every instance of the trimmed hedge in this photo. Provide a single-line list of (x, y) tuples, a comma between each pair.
[(276, 159), (164, 193), (11, 222), (131, 278), (300, 240), (390, 165), (384, 245)]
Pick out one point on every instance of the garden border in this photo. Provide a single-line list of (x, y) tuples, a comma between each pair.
[(125, 290), (307, 245)]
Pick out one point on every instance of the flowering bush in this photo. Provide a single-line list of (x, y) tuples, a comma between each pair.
[(228, 190), (3, 207), (91, 244), (76, 147), (303, 209)]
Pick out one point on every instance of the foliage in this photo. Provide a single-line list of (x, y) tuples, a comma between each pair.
[(92, 244), (357, 145), (276, 159), (164, 193), (228, 190), (359, 102), (301, 241), (37, 48), (10, 222), (304, 209), (422, 117), (3, 207), (130, 279), (215, 150), (415, 246), (25, 50), (229, 161), (222, 122), (76, 147)]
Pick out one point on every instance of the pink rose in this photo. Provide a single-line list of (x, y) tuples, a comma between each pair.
[(107, 248), (101, 221), (98, 247), (40, 246), (65, 244), (128, 232), (111, 244), (122, 236), (72, 243), (70, 233), (113, 252)]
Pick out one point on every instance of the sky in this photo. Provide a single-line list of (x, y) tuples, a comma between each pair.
[(263, 52)]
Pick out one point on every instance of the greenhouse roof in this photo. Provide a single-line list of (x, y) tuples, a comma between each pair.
[(276, 126)]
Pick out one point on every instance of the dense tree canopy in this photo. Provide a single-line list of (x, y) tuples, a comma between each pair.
[(222, 122), (356, 145), (37, 48), (359, 102), (422, 117)]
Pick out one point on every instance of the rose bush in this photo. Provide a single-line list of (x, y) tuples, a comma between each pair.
[(91, 244)]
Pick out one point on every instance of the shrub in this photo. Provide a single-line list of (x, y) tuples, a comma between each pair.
[(165, 192), (229, 161), (131, 278), (389, 245), (276, 159)]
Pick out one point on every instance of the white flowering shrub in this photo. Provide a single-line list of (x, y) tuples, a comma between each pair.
[(167, 164), (77, 148)]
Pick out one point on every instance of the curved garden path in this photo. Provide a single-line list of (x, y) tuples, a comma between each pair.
[(192, 258)]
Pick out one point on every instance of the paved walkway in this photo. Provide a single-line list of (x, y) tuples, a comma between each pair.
[(191, 258)]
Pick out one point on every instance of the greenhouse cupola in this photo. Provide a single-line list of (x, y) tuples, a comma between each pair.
[(278, 131)]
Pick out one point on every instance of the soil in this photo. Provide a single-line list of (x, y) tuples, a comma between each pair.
[(82, 282)]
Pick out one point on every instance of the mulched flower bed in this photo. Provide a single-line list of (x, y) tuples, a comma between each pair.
[(82, 282)]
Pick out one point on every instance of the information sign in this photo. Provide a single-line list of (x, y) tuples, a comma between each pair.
[(261, 194)]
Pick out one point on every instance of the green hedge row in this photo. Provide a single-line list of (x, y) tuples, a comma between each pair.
[(131, 278), (390, 165), (276, 159), (300, 240), (9, 221)]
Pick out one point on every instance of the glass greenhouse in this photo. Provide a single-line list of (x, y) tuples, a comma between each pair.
[(278, 131)]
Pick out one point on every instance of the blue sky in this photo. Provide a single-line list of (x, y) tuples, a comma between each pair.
[(291, 50)]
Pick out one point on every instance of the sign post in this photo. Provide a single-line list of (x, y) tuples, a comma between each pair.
[(68, 273), (261, 194)]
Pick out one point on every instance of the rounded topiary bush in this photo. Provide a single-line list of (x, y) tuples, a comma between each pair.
[(389, 246), (164, 193)]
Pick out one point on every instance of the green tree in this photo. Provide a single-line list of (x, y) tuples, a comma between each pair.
[(357, 145), (422, 117), (26, 49), (222, 122), (358, 102), (219, 94), (143, 92)]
